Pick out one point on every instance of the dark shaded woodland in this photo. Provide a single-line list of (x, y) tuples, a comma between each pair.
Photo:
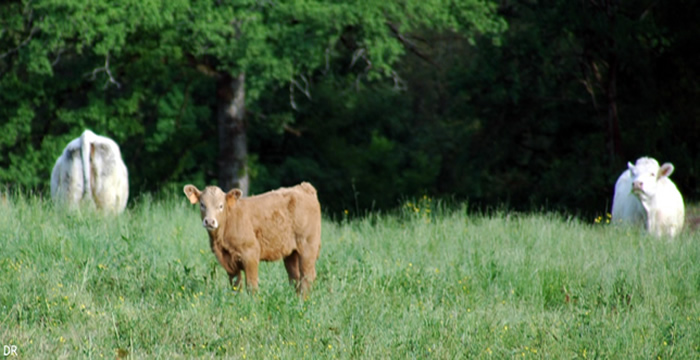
[(531, 104)]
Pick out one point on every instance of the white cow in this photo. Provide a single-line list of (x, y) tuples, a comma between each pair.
[(645, 194), (91, 169)]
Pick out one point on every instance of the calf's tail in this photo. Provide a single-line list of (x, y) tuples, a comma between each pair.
[(308, 188)]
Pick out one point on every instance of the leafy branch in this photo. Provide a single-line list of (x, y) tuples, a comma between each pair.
[(24, 43), (106, 70)]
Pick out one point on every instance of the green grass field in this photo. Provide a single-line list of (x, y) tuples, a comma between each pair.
[(423, 282)]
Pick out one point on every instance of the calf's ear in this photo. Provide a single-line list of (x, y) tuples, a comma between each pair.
[(232, 196), (665, 171), (192, 193)]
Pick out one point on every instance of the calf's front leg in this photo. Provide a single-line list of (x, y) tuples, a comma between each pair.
[(251, 275), (237, 276)]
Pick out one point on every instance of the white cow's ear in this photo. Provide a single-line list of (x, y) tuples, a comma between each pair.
[(630, 166), (192, 193), (666, 170)]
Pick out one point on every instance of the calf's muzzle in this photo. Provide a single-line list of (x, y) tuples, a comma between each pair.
[(210, 223)]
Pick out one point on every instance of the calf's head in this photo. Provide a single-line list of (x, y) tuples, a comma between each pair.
[(646, 175), (213, 203)]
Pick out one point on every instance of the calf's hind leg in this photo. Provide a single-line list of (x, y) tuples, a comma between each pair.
[(308, 273), (291, 263)]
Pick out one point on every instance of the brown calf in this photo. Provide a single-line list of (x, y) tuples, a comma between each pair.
[(280, 224)]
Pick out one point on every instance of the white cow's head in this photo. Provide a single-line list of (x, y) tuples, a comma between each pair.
[(213, 204), (646, 175)]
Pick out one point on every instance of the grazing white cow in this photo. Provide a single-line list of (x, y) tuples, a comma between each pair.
[(645, 194), (91, 169)]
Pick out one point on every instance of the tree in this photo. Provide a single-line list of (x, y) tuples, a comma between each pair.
[(74, 63), (525, 123), (371, 101)]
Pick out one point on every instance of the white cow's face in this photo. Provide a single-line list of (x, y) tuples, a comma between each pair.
[(646, 175), (213, 204)]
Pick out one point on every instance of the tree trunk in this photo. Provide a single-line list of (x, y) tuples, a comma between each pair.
[(614, 137), (604, 44), (233, 147)]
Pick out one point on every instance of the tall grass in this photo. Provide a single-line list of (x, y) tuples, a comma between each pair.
[(424, 282)]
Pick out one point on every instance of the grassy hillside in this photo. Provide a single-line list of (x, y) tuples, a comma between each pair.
[(422, 283)]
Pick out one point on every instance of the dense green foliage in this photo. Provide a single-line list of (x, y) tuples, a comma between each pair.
[(424, 282), (513, 102), (523, 123)]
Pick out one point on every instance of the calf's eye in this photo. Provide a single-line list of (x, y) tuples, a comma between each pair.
[(221, 206)]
